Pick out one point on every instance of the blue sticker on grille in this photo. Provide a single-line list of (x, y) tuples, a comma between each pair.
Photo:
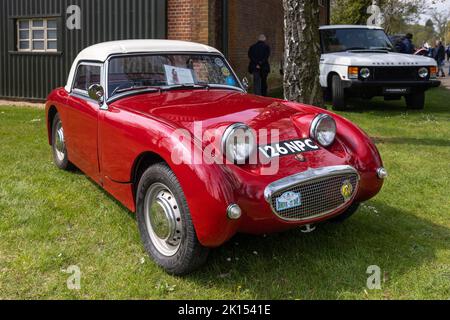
[(288, 200)]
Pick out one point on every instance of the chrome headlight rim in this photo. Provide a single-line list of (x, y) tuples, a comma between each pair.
[(423, 75), (364, 73), (315, 125), (229, 132)]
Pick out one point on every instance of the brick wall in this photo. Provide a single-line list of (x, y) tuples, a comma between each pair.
[(200, 21), (247, 20), (188, 20)]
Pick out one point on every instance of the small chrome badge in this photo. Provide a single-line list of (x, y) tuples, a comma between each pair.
[(288, 200), (347, 190)]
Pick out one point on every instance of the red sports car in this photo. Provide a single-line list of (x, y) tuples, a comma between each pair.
[(168, 129)]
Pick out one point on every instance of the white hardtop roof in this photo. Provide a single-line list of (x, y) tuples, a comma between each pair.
[(349, 26), (100, 52)]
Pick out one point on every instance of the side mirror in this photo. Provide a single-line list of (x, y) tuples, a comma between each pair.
[(96, 92), (245, 83)]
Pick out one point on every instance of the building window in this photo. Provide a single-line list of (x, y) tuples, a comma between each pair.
[(37, 35)]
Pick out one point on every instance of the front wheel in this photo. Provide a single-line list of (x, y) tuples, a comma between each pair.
[(415, 100), (165, 223), (338, 94), (59, 149)]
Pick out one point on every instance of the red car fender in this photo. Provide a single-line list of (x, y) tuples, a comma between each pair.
[(365, 156), (208, 188), (362, 152)]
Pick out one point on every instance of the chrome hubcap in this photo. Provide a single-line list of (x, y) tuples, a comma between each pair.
[(60, 146), (163, 219)]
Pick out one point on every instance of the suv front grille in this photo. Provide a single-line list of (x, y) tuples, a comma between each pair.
[(395, 74)]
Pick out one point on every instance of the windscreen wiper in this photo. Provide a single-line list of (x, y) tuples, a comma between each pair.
[(136, 88), (381, 48), (186, 86), (356, 48)]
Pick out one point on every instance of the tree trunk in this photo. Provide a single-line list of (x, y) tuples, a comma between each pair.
[(302, 52)]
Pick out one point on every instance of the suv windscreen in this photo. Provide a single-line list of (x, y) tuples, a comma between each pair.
[(168, 70), (338, 40)]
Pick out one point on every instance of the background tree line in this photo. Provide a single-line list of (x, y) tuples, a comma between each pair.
[(400, 17)]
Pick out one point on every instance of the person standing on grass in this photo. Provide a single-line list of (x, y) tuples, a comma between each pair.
[(439, 56), (406, 45), (259, 66)]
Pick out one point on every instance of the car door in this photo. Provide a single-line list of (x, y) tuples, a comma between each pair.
[(82, 119)]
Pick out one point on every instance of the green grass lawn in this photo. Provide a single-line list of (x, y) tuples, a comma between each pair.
[(51, 219)]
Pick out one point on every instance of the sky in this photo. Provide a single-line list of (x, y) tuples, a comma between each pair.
[(445, 6)]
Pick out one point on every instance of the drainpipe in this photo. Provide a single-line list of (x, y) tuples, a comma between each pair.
[(225, 27)]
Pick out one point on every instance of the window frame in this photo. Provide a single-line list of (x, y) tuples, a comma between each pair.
[(32, 28), (84, 93), (109, 99)]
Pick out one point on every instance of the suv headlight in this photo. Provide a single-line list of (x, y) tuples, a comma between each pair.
[(364, 73), (323, 130), (423, 72), (238, 143)]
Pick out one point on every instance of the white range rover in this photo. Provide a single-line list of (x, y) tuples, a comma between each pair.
[(359, 61)]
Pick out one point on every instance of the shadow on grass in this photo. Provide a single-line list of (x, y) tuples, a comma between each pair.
[(325, 264), (412, 141), (329, 262), (436, 102)]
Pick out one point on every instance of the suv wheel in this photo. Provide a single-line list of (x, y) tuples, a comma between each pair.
[(415, 100), (338, 93)]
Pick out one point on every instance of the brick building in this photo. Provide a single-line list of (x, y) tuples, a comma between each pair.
[(41, 38), (232, 26)]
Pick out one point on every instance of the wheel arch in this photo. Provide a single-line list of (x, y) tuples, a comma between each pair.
[(52, 112), (142, 163), (330, 78)]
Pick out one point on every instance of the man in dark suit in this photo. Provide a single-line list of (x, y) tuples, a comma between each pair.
[(439, 56), (259, 67), (406, 45)]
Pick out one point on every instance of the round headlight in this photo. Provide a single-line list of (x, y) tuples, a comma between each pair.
[(323, 130), (364, 73), (423, 72), (238, 143)]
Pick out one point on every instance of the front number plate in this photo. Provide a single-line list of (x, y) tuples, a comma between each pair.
[(287, 148), (288, 200), (396, 90)]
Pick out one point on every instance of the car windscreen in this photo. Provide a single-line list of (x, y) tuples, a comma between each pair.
[(166, 70), (338, 40)]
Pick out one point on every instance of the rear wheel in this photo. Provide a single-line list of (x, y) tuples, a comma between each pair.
[(347, 214), (59, 148), (165, 223), (338, 94), (415, 100)]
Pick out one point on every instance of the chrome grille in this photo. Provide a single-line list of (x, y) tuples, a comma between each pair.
[(319, 197)]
